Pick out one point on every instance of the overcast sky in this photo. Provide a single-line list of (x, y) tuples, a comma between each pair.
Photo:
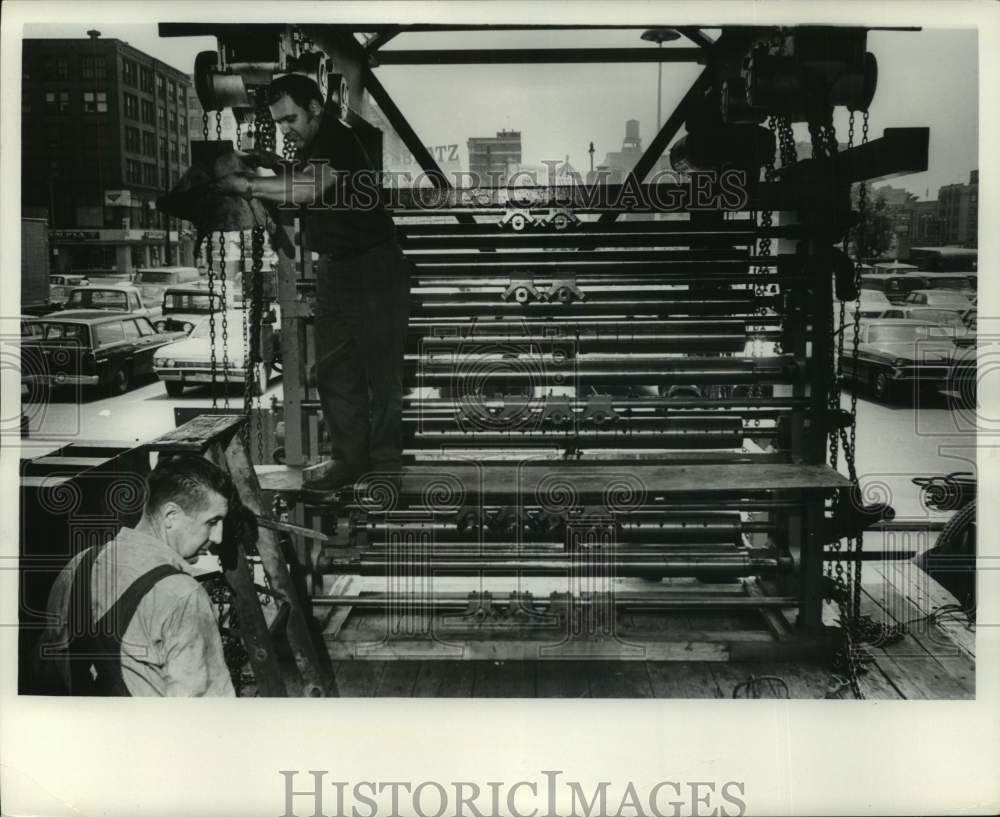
[(926, 78)]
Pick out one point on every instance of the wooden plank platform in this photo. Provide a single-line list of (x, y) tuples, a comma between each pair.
[(934, 661), (539, 478)]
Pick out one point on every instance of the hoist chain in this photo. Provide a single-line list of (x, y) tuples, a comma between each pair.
[(247, 295), (786, 141), (254, 320), (211, 318), (847, 586), (224, 308), (239, 135), (204, 125)]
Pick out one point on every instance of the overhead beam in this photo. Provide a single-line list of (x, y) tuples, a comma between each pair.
[(381, 38), (538, 56), (697, 36), (673, 124)]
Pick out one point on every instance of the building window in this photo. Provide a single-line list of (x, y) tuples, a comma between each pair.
[(161, 85), (183, 125), (148, 112), (146, 79), (133, 171), (55, 68), (150, 176), (94, 68), (95, 102), (132, 140), (183, 98), (131, 106), (163, 147), (163, 118), (173, 150), (173, 91), (173, 121), (57, 101), (129, 72), (148, 144)]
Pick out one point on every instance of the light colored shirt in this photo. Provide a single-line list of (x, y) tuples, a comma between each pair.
[(172, 646)]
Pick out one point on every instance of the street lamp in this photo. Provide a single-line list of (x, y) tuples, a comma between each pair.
[(659, 36)]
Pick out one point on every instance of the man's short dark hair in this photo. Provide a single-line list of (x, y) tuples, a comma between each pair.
[(299, 87), (188, 480)]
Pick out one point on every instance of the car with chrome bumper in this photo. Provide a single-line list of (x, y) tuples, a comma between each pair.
[(89, 348), (188, 362), (893, 353)]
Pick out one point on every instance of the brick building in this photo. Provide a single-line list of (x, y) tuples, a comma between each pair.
[(104, 133)]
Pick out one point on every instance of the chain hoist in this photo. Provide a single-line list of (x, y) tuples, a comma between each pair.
[(255, 319), (211, 318), (224, 308)]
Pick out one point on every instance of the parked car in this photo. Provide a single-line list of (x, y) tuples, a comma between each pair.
[(939, 315), (184, 306), (118, 297), (154, 282), (91, 348), (965, 282), (895, 286), (61, 285), (893, 351), (188, 362), (871, 304), (938, 297)]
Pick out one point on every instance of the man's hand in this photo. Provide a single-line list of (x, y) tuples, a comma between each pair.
[(234, 185)]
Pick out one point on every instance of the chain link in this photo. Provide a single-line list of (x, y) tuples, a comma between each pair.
[(211, 317), (224, 308)]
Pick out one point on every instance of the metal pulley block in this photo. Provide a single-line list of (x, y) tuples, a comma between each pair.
[(559, 219), (517, 220), (480, 609), (565, 291), (468, 521), (217, 89), (557, 411), (521, 291), (599, 411)]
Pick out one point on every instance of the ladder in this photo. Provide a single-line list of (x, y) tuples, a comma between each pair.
[(220, 439)]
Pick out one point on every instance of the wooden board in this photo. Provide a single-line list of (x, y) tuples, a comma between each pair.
[(196, 435), (590, 481)]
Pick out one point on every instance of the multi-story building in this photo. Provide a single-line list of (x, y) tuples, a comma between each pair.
[(104, 134), (959, 206), (493, 159), (925, 224)]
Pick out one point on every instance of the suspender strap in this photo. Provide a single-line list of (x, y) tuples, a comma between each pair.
[(95, 650)]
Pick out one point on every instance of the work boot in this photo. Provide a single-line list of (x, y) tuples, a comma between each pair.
[(330, 476)]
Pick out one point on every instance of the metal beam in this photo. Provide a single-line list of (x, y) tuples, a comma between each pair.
[(538, 56), (406, 133), (697, 36), (380, 38), (667, 132)]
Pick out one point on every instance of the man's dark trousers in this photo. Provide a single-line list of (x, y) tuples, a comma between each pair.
[(361, 314)]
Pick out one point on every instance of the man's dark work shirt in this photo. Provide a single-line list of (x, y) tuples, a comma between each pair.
[(356, 221)]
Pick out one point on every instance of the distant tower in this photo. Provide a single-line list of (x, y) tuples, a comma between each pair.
[(632, 141)]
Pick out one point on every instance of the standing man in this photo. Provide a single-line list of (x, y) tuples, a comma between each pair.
[(362, 280), (126, 618)]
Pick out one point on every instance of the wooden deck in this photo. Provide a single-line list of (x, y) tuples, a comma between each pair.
[(935, 660)]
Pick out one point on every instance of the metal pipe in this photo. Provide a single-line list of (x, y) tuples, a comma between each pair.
[(619, 599), (729, 567), (537, 56)]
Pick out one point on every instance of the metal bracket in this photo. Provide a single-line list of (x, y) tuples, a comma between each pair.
[(599, 410), (557, 410), (522, 290), (565, 290)]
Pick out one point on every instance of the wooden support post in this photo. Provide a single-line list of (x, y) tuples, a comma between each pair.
[(292, 363), (811, 572), (268, 546)]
